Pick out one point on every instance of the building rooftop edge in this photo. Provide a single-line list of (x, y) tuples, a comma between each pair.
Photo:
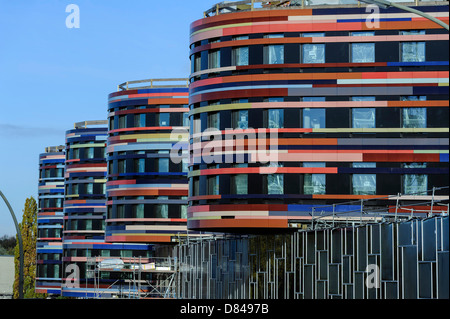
[(125, 86), (85, 124), (249, 5)]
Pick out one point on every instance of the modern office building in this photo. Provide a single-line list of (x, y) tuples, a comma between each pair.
[(322, 104), (50, 219), (294, 110), (84, 205), (84, 245), (147, 189)]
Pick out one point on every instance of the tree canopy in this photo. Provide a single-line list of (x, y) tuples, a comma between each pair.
[(28, 229)]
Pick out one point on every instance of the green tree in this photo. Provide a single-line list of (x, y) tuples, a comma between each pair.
[(7, 244), (28, 229)]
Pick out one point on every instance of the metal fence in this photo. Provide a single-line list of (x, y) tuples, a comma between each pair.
[(398, 259)]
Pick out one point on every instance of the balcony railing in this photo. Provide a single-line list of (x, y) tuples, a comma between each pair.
[(251, 5), (176, 83), (55, 149), (85, 124)]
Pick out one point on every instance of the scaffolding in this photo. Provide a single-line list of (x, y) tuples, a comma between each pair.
[(407, 206), (133, 277)]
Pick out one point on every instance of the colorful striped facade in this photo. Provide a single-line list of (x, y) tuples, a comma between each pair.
[(147, 191), (320, 106), (50, 220), (84, 205), (85, 212)]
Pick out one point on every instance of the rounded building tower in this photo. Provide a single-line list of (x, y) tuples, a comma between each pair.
[(84, 246), (147, 190), (85, 201), (295, 107), (50, 220)]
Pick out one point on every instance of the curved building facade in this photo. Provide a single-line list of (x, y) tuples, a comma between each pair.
[(50, 220), (313, 106), (147, 190), (85, 202), (84, 244)]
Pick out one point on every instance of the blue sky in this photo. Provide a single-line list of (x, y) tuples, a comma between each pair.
[(52, 76)]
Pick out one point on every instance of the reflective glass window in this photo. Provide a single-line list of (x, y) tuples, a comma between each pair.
[(274, 54), (313, 53), (363, 118), (313, 118)]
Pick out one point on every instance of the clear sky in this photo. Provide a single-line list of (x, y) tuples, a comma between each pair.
[(52, 76)]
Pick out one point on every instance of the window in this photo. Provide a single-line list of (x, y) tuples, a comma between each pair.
[(274, 54), (275, 184), (75, 189), (196, 124), (88, 224), (240, 119), (183, 211), (75, 153), (416, 184), (161, 210), (196, 186), (185, 163), (275, 118), (90, 189), (90, 152), (409, 32), (363, 98), (313, 53), (214, 59), (362, 52), (196, 62), (239, 56), (139, 165), (163, 165), (120, 211), (122, 121), (240, 37), (213, 185), (237, 101), (138, 211), (364, 184), (363, 118), (314, 183), (164, 119), (313, 34), (415, 117), (313, 118), (413, 51), (139, 120), (274, 35), (214, 120), (126, 253), (122, 166), (239, 184), (186, 119)]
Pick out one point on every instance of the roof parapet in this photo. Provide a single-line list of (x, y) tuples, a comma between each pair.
[(253, 5), (151, 84), (85, 124), (55, 149)]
